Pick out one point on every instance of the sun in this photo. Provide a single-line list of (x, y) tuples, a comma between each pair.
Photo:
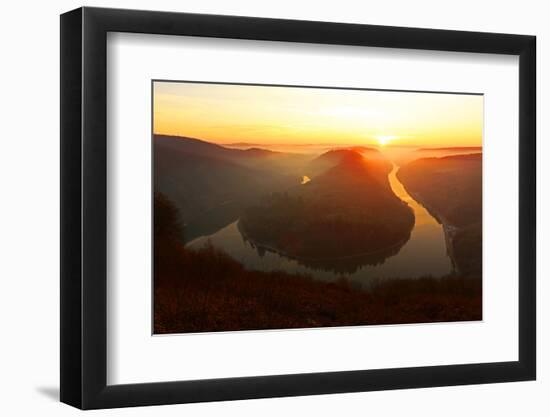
[(383, 140)]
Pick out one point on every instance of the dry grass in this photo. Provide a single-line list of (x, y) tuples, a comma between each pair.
[(207, 291)]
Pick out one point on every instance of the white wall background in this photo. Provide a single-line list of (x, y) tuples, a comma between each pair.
[(29, 237)]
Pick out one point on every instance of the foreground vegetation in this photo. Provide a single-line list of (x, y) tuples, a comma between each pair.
[(205, 291)]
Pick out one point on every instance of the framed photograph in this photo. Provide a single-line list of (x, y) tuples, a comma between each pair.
[(257, 208)]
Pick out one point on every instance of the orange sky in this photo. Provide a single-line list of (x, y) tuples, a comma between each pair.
[(283, 115)]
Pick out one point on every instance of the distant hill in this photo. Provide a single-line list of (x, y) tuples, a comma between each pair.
[(242, 145), (262, 159), (332, 158), (406, 157), (359, 149), (261, 153), (452, 148), (336, 157), (193, 146)]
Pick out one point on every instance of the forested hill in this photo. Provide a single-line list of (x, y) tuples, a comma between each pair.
[(348, 156), (347, 210)]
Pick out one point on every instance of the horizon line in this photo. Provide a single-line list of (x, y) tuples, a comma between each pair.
[(260, 145)]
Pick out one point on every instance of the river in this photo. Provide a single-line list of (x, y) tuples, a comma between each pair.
[(424, 254)]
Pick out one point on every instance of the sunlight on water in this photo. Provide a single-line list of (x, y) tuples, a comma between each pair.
[(424, 254), (421, 215)]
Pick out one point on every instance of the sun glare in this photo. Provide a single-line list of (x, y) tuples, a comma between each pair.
[(384, 140)]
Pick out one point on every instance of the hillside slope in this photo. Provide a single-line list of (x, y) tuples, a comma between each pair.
[(210, 184), (451, 188), (347, 211)]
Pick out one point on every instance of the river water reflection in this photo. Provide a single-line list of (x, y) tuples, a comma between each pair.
[(424, 254)]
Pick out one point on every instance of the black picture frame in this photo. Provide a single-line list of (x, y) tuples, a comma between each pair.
[(84, 207)]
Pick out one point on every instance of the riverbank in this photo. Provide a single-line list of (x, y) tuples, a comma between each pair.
[(278, 251), (448, 229)]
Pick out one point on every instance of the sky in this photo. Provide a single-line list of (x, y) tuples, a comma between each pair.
[(266, 115)]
